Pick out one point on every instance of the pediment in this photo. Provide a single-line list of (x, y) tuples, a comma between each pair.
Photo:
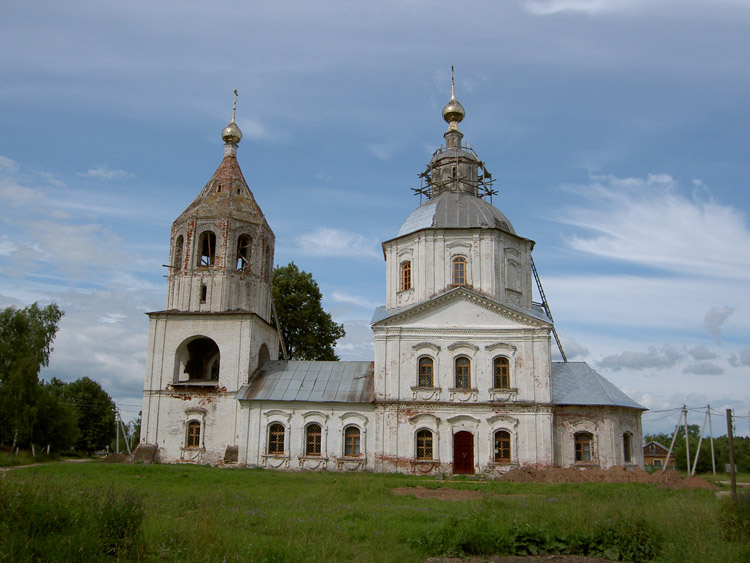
[(464, 308)]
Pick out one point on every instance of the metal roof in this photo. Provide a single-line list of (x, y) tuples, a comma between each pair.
[(575, 383), (319, 382), (452, 210)]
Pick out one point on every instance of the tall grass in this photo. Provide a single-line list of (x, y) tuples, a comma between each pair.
[(189, 513), (41, 521)]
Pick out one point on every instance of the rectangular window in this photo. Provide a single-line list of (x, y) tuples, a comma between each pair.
[(405, 276), (425, 372), (276, 439), (459, 270), (313, 440), (657, 463), (583, 447), (352, 442), (424, 445), (204, 293), (502, 375), (463, 373)]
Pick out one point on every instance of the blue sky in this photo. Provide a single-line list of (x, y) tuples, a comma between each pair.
[(616, 130)]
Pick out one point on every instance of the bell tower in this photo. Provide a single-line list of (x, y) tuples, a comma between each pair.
[(221, 253), (216, 329)]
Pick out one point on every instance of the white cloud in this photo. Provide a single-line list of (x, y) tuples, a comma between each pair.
[(357, 345), (702, 353), (703, 368), (7, 247), (335, 242), (715, 317), (105, 173), (742, 358), (648, 222), (653, 358), (572, 348), (357, 300)]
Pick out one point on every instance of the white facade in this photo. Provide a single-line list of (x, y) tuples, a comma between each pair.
[(462, 380)]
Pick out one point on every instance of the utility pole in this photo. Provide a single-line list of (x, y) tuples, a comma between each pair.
[(687, 439), (674, 439), (731, 455), (117, 430), (711, 432)]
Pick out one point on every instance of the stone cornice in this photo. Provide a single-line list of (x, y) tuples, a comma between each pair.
[(466, 295)]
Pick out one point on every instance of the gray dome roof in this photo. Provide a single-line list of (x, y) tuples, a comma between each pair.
[(452, 210)]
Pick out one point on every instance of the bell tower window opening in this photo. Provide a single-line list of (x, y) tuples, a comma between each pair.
[(200, 360), (405, 275), (244, 253), (463, 372), (207, 246), (193, 439), (178, 246), (204, 293), (501, 373), (459, 271), (425, 372)]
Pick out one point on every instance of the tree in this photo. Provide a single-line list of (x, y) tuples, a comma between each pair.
[(56, 423), (26, 337), (96, 414), (309, 332)]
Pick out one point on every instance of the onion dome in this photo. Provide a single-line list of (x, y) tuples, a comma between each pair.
[(231, 133), (453, 112)]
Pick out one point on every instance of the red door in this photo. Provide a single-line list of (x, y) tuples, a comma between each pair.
[(463, 452)]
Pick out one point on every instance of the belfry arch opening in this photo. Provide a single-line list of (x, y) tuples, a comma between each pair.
[(198, 361)]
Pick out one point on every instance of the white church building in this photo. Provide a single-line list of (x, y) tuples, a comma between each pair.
[(462, 380)]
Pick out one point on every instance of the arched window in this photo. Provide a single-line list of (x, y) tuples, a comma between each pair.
[(244, 253), (178, 245), (193, 434), (424, 445), (502, 446), (501, 373), (463, 373), (207, 248), (425, 372), (459, 270), (352, 442), (405, 275), (627, 451), (584, 447), (313, 434), (276, 439)]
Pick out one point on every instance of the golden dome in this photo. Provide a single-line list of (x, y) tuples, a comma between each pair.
[(231, 133), (453, 112)]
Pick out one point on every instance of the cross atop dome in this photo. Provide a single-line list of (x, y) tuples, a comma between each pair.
[(231, 135)]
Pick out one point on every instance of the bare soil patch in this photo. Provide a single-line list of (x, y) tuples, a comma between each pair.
[(116, 458)]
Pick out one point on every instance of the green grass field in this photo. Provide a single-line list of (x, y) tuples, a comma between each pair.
[(92, 511)]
